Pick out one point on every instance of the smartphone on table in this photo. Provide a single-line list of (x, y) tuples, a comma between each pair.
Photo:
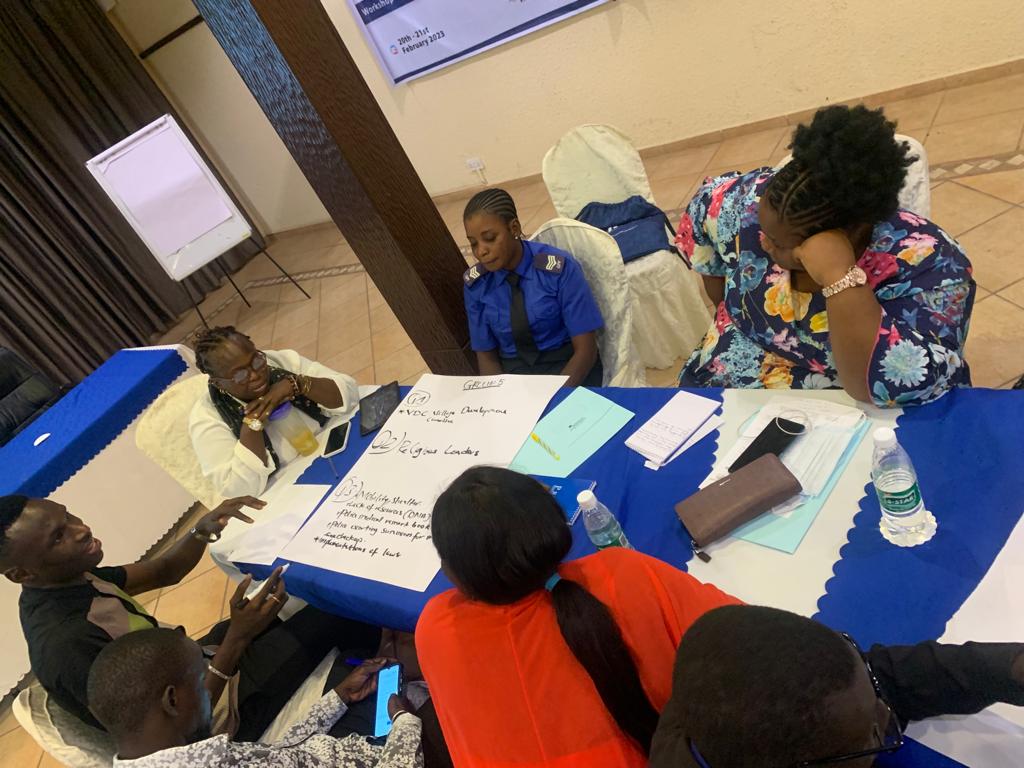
[(337, 440), (375, 408), (774, 438), (389, 682)]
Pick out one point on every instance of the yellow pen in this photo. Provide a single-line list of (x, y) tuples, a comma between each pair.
[(545, 446)]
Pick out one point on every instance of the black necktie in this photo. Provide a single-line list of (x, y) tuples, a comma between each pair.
[(521, 323)]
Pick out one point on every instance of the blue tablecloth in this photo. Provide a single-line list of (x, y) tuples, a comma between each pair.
[(968, 449), (86, 420), (641, 499)]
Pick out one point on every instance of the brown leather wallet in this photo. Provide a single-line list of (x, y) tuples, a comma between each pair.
[(737, 498)]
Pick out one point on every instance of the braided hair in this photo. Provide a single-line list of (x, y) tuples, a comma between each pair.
[(847, 169), (205, 344), (495, 201)]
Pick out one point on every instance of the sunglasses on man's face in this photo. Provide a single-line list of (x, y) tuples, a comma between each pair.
[(888, 735), (258, 363)]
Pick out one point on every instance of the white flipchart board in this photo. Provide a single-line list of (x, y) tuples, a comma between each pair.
[(171, 198)]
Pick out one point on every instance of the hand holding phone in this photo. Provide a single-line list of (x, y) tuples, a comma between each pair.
[(389, 686), (397, 705), (361, 681)]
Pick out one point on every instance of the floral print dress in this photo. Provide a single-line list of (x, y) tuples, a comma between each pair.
[(766, 334)]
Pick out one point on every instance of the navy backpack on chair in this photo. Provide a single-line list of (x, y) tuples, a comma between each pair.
[(638, 226)]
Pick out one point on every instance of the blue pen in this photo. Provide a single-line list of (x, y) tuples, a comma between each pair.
[(354, 662)]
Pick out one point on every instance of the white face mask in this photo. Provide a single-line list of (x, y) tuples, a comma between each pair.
[(813, 456)]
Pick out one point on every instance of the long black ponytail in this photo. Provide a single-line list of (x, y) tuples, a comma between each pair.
[(501, 536)]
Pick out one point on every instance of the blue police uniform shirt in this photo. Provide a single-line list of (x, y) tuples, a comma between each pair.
[(559, 304)]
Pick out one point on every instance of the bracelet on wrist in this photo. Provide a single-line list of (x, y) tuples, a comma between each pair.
[(217, 673), (206, 538), (254, 424)]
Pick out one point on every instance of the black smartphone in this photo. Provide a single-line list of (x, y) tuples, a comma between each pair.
[(774, 438), (374, 409), (389, 682), (337, 440)]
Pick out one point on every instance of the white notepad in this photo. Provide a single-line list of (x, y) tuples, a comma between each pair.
[(283, 517), (672, 426)]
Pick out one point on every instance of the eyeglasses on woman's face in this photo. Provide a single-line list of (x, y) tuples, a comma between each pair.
[(241, 375)]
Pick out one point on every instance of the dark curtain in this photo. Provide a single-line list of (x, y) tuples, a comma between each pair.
[(76, 282)]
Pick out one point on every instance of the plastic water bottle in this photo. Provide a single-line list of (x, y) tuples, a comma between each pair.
[(602, 527), (905, 521)]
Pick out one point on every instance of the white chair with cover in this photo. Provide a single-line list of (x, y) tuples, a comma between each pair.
[(598, 163), (599, 256), (162, 435), (916, 192), (62, 735), (71, 742)]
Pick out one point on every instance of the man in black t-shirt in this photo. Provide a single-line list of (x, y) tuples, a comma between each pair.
[(71, 608)]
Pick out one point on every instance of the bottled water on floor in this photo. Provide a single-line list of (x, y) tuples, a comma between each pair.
[(602, 527), (905, 521)]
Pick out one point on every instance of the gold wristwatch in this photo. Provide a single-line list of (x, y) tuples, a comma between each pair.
[(254, 424), (853, 278)]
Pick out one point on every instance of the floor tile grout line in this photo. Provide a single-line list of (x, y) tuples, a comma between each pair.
[(979, 224), (976, 116), (1015, 282), (981, 192), (935, 114)]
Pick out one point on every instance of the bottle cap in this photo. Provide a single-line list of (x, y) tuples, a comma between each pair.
[(281, 411), (885, 437), (586, 499)]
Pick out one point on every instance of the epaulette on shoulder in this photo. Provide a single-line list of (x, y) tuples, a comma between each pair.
[(549, 262), (472, 274)]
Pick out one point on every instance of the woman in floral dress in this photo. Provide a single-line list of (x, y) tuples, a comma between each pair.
[(820, 280)]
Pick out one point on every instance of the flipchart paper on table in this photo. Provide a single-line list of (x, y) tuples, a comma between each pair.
[(263, 542), (376, 523), (570, 434)]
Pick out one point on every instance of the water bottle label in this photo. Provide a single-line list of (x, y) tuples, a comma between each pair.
[(618, 541), (900, 502)]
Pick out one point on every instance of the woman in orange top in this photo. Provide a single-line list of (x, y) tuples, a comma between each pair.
[(532, 661)]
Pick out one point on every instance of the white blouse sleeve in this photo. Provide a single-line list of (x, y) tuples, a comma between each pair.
[(292, 361), (233, 469)]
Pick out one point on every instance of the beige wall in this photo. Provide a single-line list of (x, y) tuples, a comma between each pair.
[(199, 80), (661, 70)]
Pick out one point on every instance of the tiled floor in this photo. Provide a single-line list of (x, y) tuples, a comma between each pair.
[(347, 326), (978, 200)]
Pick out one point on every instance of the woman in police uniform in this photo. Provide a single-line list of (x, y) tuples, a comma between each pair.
[(530, 309)]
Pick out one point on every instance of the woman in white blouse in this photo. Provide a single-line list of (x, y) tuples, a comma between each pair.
[(228, 424)]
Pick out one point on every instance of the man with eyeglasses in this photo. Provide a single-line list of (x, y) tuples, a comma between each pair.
[(757, 687)]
